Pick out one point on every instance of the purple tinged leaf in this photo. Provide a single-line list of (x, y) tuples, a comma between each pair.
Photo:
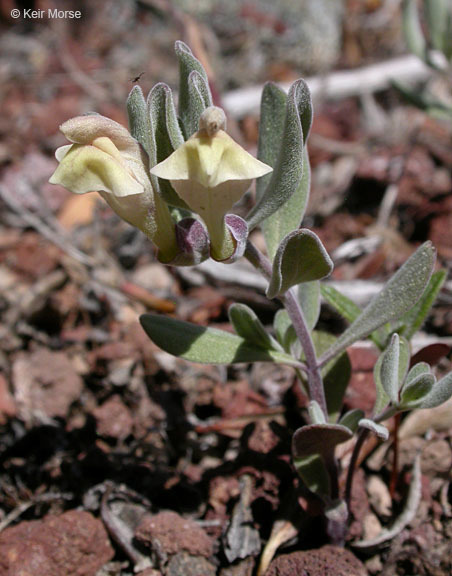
[(193, 242), (239, 230)]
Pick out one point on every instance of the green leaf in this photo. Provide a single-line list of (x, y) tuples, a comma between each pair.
[(389, 372), (314, 474), (199, 100), (343, 305), (138, 118), (414, 319), (313, 449), (285, 332), (438, 15), (309, 298), (250, 328), (412, 29), (336, 374), (417, 370), (440, 393), (415, 391), (205, 345), (382, 399), (316, 414), (190, 86), (271, 131), (166, 136), (396, 298), (301, 257), (288, 170), (378, 429), (290, 215), (351, 419)]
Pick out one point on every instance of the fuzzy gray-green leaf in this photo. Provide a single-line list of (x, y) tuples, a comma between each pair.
[(166, 136), (248, 326), (413, 30), (205, 345), (414, 319), (199, 100), (336, 374), (416, 390), (285, 332), (440, 393), (397, 297), (138, 118), (187, 89), (382, 399), (316, 414), (378, 429), (301, 257), (309, 299), (288, 170), (351, 419), (342, 304), (417, 370), (439, 13), (389, 372)]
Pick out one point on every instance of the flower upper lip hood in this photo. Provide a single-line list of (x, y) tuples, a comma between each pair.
[(211, 172), (210, 161), (105, 158)]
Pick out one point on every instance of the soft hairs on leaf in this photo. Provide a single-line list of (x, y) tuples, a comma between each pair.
[(188, 85), (205, 345), (301, 257), (398, 296), (288, 170)]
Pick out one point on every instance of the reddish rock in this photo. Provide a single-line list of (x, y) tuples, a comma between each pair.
[(45, 383), (326, 561), (360, 392), (113, 419), (187, 565), (72, 544), (170, 533)]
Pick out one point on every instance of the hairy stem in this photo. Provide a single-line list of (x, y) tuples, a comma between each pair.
[(315, 382), (291, 304)]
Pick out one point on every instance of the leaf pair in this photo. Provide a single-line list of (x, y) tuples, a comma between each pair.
[(155, 123)]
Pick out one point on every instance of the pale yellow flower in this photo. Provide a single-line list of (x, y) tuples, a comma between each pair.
[(104, 158), (211, 172)]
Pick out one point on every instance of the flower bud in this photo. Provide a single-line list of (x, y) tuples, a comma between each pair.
[(105, 158), (211, 172)]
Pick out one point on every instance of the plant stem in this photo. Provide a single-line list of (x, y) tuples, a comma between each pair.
[(362, 435), (315, 382), (291, 304)]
